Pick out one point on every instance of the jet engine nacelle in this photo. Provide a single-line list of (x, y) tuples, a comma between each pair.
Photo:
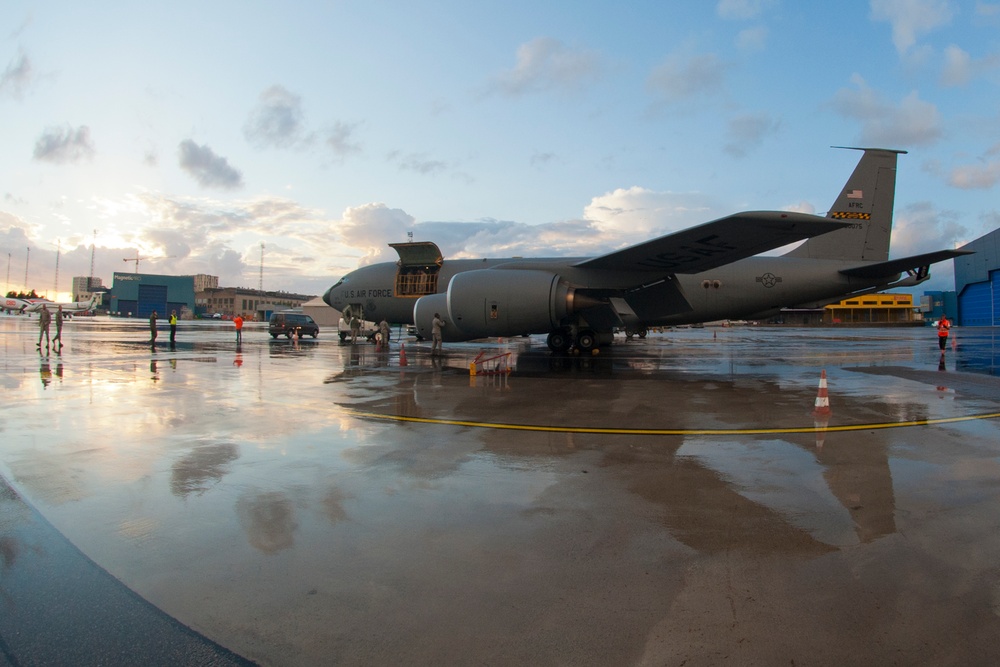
[(496, 302)]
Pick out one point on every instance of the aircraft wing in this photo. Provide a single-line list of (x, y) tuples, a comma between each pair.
[(716, 243), (894, 266)]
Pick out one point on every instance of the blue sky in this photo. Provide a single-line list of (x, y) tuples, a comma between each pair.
[(191, 133)]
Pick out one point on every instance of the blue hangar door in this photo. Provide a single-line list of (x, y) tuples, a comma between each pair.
[(152, 297), (980, 303)]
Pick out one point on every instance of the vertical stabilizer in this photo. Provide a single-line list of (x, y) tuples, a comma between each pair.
[(867, 199)]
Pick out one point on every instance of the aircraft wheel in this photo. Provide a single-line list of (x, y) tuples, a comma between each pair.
[(586, 341), (642, 332), (559, 340)]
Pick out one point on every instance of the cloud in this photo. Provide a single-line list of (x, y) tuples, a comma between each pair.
[(13, 231), (370, 227), (679, 78), (339, 139), (209, 169), (202, 220), (542, 159), (911, 122), (419, 163), (982, 176), (64, 144), (752, 39), (748, 131), (276, 121), (960, 67), (740, 10), (634, 214), (910, 18), (202, 234), (545, 64), (957, 67), (610, 221), (18, 76), (920, 228)]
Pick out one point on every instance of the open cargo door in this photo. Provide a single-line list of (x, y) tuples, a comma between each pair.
[(419, 264)]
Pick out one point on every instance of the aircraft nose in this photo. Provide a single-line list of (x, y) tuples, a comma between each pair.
[(328, 297)]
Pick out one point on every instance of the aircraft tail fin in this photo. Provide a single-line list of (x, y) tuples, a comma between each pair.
[(866, 201)]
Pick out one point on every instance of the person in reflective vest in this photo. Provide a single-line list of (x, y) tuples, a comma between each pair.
[(943, 326)]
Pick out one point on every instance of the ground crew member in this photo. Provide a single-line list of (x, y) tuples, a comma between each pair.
[(44, 318), (152, 328), (59, 323), (238, 321), (943, 326), (173, 326), (355, 328), (383, 328), (436, 325)]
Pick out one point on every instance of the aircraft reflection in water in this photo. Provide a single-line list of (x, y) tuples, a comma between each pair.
[(698, 483), (705, 273)]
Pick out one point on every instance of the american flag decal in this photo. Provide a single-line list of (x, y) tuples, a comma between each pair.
[(855, 194)]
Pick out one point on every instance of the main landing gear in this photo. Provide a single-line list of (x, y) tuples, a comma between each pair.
[(562, 339)]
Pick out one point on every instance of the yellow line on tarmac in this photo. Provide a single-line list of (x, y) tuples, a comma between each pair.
[(670, 431)]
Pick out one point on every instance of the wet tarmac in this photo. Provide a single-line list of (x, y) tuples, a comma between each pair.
[(672, 500)]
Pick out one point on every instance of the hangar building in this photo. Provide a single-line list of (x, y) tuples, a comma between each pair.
[(977, 282), (139, 294)]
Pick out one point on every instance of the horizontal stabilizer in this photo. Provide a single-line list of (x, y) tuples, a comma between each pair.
[(894, 266), (716, 243)]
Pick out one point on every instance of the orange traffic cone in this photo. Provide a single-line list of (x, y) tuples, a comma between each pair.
[(822, 406), (402, 354)]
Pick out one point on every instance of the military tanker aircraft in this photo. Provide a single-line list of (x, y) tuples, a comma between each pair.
[(705, 273)]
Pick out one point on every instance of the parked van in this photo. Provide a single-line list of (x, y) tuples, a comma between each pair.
[(287, 323)]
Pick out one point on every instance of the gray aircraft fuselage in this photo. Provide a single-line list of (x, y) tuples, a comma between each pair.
[(754, 286)]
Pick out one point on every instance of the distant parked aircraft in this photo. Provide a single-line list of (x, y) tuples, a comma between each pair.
[(35, 305)]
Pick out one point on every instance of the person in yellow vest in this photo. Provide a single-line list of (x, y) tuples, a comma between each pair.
[(173, 326), (943, 326)]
